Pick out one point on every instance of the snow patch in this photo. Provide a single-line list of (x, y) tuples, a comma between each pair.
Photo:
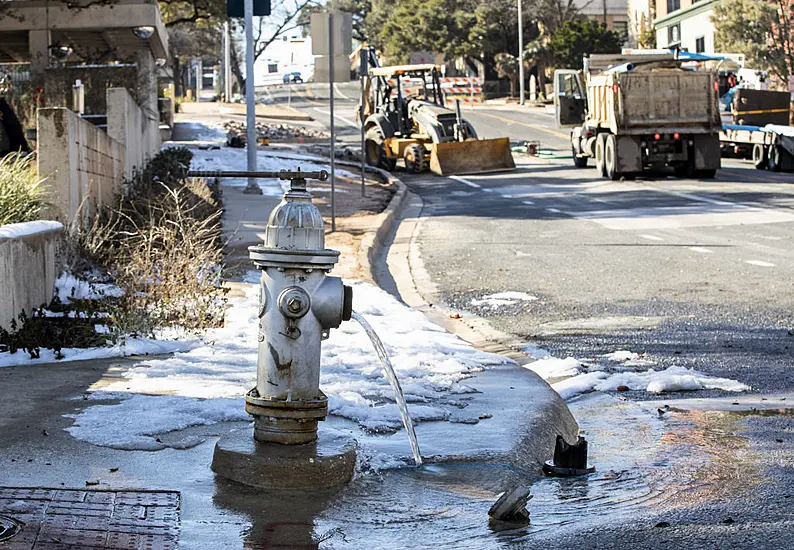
[(68, 287), (551, 367), (621, 356), (25, 229), (208, 381), (503, 299)]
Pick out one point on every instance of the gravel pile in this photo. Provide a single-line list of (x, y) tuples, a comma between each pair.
[(235, 132)]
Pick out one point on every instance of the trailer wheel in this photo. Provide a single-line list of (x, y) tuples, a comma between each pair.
[(773, 158), (611, 158), (376, 150), (579, 162), (415, 159), (759, 156), (599, 154)]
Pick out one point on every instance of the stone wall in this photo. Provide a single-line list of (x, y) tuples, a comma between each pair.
[(27, 267), (84, 166), (138, 132)]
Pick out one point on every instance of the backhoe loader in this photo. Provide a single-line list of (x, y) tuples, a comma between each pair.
[(405, 118)]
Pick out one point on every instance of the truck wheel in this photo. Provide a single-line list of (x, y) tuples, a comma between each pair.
[(415, 159), (599, 155), (376, 150), (579, 162), (773, 158), (759, 156), (611, 158)]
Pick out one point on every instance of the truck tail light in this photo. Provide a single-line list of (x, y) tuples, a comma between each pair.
[(676, 136), (615, 89), (716, 86), (657, 137)]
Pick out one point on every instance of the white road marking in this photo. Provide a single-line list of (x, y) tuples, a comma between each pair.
[(526, 202), (698, 198), (467, 182), (652, 237), (675, 217), (340, 92), (553, 210), (343, 119), (759, 263), (488, 190), (701, 250)]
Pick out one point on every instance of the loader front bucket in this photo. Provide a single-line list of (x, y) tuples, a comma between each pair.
[(473, 156)]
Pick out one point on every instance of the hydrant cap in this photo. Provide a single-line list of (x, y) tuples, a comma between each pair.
[(295, 224)]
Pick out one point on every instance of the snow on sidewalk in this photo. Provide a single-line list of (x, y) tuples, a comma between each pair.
[(206, 384)]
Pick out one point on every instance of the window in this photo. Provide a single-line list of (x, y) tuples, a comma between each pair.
[(674, 35), (673, 5), (622, 28), (700, 44), (272, 67)]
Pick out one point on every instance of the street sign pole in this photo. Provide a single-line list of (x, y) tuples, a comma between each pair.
[(331, 110), (363, 71), (250, 114), (520, 53), (227, 68)]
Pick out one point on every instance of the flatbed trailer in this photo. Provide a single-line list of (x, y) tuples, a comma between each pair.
[(771, 147)]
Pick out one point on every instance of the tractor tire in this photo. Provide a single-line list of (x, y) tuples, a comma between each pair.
[(376, 151), (599, 155), (415, 158), (579, 162), (759, 156), (611, 158), (708, 174), (774, 155)]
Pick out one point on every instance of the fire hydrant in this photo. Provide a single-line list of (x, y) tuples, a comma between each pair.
[(298, 305)]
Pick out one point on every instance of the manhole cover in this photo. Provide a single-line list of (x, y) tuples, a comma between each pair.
[(8, 527)]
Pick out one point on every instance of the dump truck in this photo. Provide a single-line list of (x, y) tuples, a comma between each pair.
[(405, 117), (638, 111)]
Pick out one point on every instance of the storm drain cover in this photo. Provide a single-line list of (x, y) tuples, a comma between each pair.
[(8, 528), (40, 519)]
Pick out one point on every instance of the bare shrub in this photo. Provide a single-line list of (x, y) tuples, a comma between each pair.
[(21, 191)]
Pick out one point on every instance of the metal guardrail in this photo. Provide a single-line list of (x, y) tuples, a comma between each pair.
[(320, 175)]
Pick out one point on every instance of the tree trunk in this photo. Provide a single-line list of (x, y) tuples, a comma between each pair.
[(512, 86), (238, 74), (179, 89)]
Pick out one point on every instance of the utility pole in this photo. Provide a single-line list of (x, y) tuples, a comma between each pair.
[(227, 63), (520, 53), (250, 114)]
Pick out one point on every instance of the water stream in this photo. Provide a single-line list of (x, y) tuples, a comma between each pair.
[(395, 384)]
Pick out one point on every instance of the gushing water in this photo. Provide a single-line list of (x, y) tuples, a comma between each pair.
[(395, 384)]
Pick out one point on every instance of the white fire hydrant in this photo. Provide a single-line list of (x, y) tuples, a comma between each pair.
[(299, 303)]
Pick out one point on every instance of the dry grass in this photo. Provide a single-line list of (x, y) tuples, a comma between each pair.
[(21, 190)]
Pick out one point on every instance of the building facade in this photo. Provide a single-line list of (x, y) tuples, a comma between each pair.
[(685, 24)]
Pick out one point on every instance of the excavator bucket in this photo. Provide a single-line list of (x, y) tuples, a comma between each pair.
[(473, 156)]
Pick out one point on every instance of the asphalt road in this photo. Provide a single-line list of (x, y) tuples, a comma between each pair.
[(697, 273)]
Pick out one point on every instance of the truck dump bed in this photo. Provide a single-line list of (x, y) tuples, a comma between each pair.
[(649, 100)]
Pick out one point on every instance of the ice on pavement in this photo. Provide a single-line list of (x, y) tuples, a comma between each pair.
[(206, 384), (503, 299), (552, 367), (580, 378), (621, 356)]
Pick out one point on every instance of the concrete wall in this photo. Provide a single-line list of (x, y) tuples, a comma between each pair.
[(84, 166), (27, 267), (136, 131)]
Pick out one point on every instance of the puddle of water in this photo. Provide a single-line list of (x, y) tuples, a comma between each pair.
[(646, 463)]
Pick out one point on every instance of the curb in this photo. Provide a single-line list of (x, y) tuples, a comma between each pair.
[(376, 235)]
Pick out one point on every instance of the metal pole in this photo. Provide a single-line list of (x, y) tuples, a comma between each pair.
[(363, 154), (250, 113), (331, 110), (289, 80), (227, 63), (520, 53)]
